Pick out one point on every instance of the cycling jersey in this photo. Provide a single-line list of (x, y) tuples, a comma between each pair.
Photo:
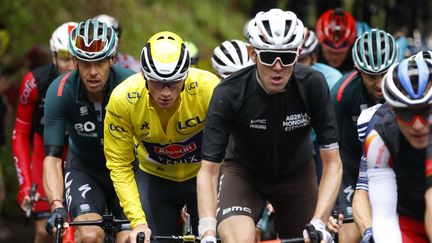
[(68, 109), (349, 98), (132, 121), (331, 74), (29, 125), (396, 174), (271, 133), (128, 61), (365, 124)]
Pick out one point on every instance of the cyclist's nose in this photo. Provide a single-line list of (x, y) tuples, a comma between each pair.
[(277, 65)]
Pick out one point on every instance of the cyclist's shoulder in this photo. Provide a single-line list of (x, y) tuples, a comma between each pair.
[(331, 74), (133, 85), (196, 75), (121, 73), (63, 82), (347, 86), (305, 73)]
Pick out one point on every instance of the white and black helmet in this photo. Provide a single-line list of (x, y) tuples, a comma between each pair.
[(423, 55), (310, 42), (275, 29), (60, 37), (229, 57), (110, 22)]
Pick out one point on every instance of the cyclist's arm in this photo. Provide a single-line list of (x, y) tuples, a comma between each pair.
[(330, 182), (382, 191), (428, 216), (361, 206), (55, 109), (22, 134), (53, 181), (119, 153), (207, 180)]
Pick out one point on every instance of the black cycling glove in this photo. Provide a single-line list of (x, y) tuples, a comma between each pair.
[(57, 213), (367, 236)]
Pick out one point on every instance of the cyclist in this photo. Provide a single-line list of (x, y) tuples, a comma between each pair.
[(122, 59), (157, 117), (75, 103), (309, 56), (27, 139), (229, 57), (193, 52), (268, 109), (365, 124), (395, 152), (336, 30), (373, 53)]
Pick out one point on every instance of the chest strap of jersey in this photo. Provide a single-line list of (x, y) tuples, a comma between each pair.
[(62, 83), (344, 84)]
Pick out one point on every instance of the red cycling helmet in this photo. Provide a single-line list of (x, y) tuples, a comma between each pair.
[(336, 29)]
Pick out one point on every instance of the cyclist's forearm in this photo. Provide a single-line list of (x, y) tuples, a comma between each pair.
[(53, 180), (361, 210), (207, 180), (329, 184)]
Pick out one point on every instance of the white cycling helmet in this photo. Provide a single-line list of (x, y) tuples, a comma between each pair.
[(423, 55), (275, 29), (110, 22), (408, 83), (310, 42), (60, 37), (230, 57)]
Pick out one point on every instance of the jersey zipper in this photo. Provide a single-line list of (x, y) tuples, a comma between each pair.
[(275, 134)]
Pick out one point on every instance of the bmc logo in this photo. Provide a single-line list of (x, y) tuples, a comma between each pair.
[(85, 127), (191, 122), (236, 209)]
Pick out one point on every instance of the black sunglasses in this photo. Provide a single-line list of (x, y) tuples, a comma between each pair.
[(269, 58)]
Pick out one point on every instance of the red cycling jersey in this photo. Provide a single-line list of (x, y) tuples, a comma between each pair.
[(28, 154)]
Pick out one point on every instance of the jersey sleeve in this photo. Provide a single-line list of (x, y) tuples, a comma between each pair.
[(218, 126), (119, 153), (58, 101), (382, 190), (21, 139), (323, 116)]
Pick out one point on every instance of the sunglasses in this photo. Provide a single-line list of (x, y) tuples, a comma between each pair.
[(269, 58), (173, 85), (408, 116), (94, 46), (64, 54)]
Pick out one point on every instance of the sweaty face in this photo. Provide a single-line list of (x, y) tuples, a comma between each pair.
[(334, 58), (165, 95), (274, 78), (94, 75), (372, 83), (414, 126)]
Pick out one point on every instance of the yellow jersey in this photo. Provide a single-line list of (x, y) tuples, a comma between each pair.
[(133, 131)]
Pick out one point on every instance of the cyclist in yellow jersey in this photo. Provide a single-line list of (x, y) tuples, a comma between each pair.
[(156, 118)]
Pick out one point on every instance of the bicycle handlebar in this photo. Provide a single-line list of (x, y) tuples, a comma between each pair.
[(28, 212)]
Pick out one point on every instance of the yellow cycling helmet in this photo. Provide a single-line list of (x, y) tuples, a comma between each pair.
[(165, 58)]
